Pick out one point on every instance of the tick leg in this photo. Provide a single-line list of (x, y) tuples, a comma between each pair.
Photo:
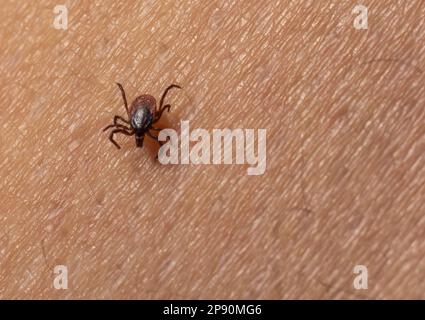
[(116, 118), (124, 98), (158, 115), (118, 126), (156, 139), (165, 93), (111, 136)]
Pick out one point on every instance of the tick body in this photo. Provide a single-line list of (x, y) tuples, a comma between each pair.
[(142, 115)]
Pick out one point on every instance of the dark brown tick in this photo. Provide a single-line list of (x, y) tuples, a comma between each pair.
[(142, 115)]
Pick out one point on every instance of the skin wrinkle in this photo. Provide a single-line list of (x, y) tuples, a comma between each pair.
[(344, 179)]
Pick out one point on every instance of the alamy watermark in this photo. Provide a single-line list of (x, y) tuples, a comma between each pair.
[(361, 20), (60, 21), (61, 279), (221, 146), (361, 280)]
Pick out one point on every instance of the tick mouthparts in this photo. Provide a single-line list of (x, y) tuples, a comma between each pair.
[(139, 142)]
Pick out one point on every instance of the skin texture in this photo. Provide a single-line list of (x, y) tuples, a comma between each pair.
[(345, 177)]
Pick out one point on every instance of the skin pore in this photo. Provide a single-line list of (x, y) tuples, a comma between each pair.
[(345, 177)]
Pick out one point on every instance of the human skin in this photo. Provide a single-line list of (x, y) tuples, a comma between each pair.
[(345, 178)]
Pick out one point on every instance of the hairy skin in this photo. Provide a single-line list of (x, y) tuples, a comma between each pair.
[(345, 178)]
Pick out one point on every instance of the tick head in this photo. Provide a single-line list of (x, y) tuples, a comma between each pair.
[(139, 140)]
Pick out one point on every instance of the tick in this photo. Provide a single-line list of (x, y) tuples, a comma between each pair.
[(142, 115)]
